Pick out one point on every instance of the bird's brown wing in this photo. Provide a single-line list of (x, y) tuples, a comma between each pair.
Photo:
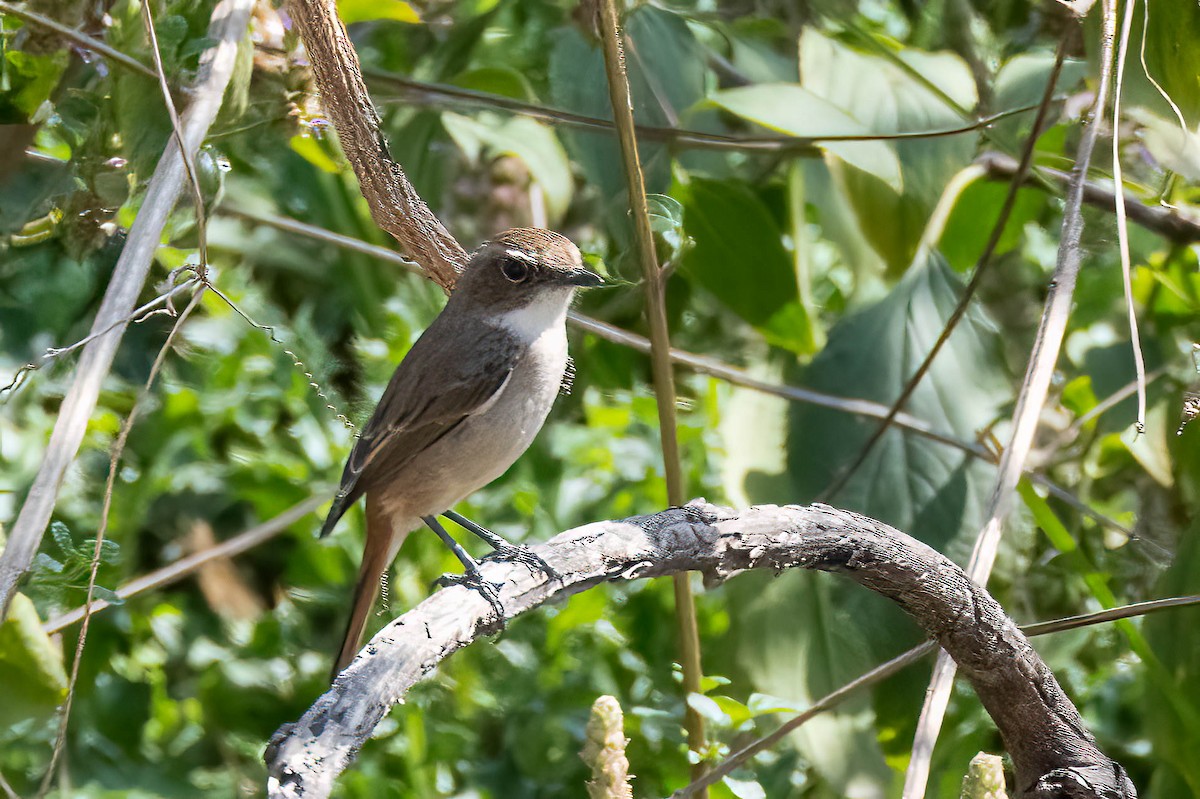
[(435, 388)]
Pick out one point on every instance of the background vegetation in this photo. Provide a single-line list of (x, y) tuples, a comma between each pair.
[(801, 264)]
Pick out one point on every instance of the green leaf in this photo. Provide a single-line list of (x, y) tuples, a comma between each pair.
[(885, 96), (1173, 147), (532, 142), (109, 596), (501, 80), (796, 638), (31, 666), (1022, 80), (744, 789), (44, 562), (739, 258), (312, 150), (975, 213), (796, 111), (709, 709), (666, 223), (667, 74), (1171, 637), (928, 489), (1172, 58), (62, 537), (31, 78), (352, 11)]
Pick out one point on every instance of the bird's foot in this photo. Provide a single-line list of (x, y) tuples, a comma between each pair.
[(519, 553), (473, 579), (506, 550)]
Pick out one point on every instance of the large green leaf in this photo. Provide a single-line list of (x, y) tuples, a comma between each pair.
[(1172, 58), (928, 489), (31, 667), (796, 639), (667, 72), (739, 257), (886, 96), (794, 110)]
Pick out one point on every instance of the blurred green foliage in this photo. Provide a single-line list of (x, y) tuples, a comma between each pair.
[(803, 266)]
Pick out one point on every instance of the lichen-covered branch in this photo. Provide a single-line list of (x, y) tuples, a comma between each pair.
[(1050, 748)]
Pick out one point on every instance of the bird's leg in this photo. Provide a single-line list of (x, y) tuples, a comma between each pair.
[(505, 550), (473, 578)]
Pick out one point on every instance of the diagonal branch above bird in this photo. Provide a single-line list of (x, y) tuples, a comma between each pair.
[(463, 405)]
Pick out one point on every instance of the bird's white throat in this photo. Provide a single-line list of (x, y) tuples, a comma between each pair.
[(547, 312)]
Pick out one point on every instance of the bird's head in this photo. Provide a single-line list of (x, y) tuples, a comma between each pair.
[(525, 268)]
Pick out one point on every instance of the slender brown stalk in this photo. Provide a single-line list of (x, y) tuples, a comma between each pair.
[(660, 348), (118, 449), (416, 92)]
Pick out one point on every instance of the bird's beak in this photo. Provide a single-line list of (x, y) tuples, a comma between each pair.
[(584, 278)]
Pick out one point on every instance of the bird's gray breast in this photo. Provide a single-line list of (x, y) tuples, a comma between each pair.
[(487, 443), (509, 423)]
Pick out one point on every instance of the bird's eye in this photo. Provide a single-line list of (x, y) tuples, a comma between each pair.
[(514, 269)]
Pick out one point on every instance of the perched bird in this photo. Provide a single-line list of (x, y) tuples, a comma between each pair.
[(464, 403)]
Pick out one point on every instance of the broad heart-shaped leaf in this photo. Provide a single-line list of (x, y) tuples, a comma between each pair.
[(803, 634), (667, 71), (887, 97), (531, 141), (794, 110), (928, 489), (739, 257), (31, 668)]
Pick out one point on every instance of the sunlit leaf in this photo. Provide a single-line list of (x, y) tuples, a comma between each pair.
[(535, 144), (352, 11), (889, 96), (31, 666), (796, 111)]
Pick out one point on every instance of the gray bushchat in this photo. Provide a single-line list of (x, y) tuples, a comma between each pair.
[(464, 403)]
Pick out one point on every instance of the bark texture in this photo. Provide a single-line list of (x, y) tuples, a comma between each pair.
[(1053, 754)]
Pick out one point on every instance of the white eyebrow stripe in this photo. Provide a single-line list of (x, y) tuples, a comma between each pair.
[(520, 255)]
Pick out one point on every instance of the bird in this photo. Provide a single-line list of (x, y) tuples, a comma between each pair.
[(464, 403)]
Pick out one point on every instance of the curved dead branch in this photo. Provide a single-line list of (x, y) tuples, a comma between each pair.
[(1053, 754)]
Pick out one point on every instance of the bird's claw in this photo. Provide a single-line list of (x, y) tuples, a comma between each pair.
[(473, 579), (518, 553)]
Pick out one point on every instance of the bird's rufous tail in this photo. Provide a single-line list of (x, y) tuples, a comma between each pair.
[(382, 544)]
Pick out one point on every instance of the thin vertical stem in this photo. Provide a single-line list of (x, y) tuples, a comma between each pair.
[(660, 346), (1030, 401)]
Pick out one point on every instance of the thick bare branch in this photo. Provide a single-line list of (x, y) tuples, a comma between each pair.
[(395, 204), (1050, 748)]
